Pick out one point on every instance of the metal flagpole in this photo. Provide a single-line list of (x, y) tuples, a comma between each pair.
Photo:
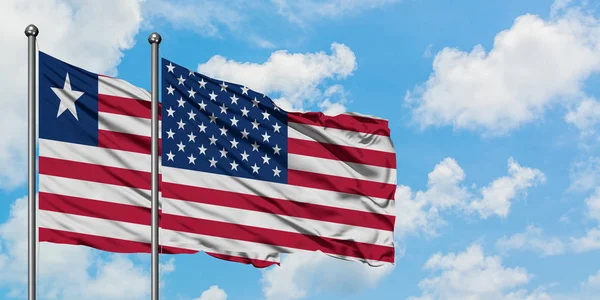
[(154, 40), (31, 32)]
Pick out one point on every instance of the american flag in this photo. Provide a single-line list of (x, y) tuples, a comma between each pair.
[(240, 174), (94, 162)]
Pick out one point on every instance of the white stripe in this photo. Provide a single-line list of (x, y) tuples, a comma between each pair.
[(94, 155), (140, 233), (277, 222), (340, 137), (126, 124), (194, 241), (277, 190), (94, 190), (121, 88), (341, 168)]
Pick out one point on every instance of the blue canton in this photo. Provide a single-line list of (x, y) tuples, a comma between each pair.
[(220, 127)]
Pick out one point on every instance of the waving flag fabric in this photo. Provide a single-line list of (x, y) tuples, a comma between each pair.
[(241, 174)]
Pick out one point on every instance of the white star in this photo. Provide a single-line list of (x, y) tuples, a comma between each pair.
[(265, 115), (213, 96), (202, 105), (170, 90), (191, 73), (223, 130), (244, 91), (180, 102), (255, 102), (213, 118), (234, 166), (181, 80), (245, 134), (171, 156), (181, 147), (234, 121), (170, 134), (276, 172), (266, 137), (171, 67), (223, 109), (213, 140), (170, 112), (192, 93), (234, 143), (276, 127), (245, 112), (202, 83), (181, 124), (266, 159), (202, 127), (67, 97), (245, 156), (202, 149), (223, 153), (255, 146), (213, 162), (255, 124), (234, 99), (192, 137), (276, 149), (192, 115), (275, 107), (223, 86), (192, 159), (255, 168)]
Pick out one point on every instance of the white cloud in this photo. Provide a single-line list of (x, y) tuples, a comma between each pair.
[(302, 274), (420, 211), (472, 275), (513, 84), (213, 293), (302, 11), (532, 240), (67, 272), (592, 283), (76, 31), (589, 242), (585, 175), (585, 116), (498, 195), (296, 77), (593, 205)]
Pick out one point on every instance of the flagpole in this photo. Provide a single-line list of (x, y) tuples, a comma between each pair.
[(154, 39), (31, 32)]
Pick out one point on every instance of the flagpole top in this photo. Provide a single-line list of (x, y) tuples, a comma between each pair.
[(154, 38), (32, 30)]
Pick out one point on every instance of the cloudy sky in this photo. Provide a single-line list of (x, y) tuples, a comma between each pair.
[(493, 111)]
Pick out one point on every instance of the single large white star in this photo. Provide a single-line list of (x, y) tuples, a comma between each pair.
[(234, 99), (276, 172), (245, 112), (171, 156), (255, 168), (234, 166), (213, 162), (245, 90), (171, 67), (245, 156), (202, 83), (67, 98)]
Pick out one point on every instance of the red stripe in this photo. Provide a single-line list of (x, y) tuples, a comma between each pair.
[(278, 238), (94, 208), (126, 106), (257, 263), (344, 122), (278, 206), (127, 142), (341, 184), (95, 173), (343, 153), (103, 243)]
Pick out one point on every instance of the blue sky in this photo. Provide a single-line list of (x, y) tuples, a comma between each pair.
[(493, 113)]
